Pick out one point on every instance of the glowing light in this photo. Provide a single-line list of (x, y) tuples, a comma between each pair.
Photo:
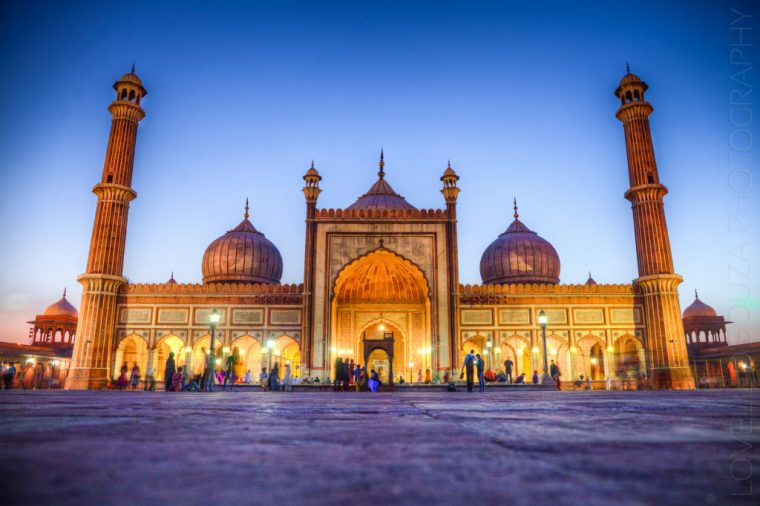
[(573, 349), (542, 319), (553, 352), (270, 344), (489, 344), (535, 349), (188, 349), (29, 360), (411, 364), (382, 326), (226, 349), (241, 352), (610, 348), (334, 349), (593, 361), (214, 317)]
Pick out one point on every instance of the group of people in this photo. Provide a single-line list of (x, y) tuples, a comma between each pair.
[(350, 375), (28, 375), (474, 363)]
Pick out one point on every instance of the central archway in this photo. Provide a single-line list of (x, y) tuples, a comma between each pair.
[(377, 293)]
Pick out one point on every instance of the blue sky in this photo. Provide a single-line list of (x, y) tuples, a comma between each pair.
[(242, 95)]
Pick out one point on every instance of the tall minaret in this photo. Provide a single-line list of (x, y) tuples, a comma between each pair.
[(450, 193), (103, 277), (311, 192), (657, 284)]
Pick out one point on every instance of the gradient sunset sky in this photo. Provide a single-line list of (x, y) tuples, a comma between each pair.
[(243, 95)]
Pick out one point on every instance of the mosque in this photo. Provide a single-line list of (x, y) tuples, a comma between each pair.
[(381, 285)]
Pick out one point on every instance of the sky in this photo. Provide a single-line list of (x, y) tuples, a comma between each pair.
[(243, 95)]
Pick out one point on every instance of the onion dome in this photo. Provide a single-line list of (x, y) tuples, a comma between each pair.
[(519, 255), (171, 280), (381, 195), (242, 255), (61, 308), (590, 281), (699, 309)]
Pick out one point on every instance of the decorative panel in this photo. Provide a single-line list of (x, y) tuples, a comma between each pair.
[(556, 316), (477, 317), (134, 315), (588, 316), (247, 316), (625, 315), (285, 316), (514, 316), (172, 315), (202, 316)]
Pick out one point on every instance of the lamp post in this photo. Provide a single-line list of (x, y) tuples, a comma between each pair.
[(270, 347), (411, 372), (213, 321), (547, 380)]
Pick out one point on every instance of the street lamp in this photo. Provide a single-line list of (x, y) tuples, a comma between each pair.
[(270, 347), (213, 321), (542, 320), (411, 372)]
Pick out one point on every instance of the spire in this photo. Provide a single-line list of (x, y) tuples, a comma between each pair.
[(448, 166), (627, 68), (133, 67), (516, 215), (64, 292), (381, 173), (246, 215), (312, 165), (696, 295)]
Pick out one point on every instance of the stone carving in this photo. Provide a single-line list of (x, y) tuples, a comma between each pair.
[(130, 316), (514, 316), (172, 315), (247, 316)]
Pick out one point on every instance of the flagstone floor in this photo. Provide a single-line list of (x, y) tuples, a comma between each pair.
[(700, 447)]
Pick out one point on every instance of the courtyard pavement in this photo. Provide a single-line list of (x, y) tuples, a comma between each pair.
[(508, 447)]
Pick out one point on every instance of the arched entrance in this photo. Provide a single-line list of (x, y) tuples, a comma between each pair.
[(630, 357), (133, 350), (169, 344), (249, 351), (378, 354), (377, 296), (200, 352), (597, 362)]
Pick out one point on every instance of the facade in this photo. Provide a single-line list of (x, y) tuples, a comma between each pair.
[(381, 286)]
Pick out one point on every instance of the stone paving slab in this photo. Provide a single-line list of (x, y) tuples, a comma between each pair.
[(504, 447)]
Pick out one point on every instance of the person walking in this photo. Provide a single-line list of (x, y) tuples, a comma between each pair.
[(469, 368), (122, 382), (508, 364), (374, 381), (169, 371), (134, 377), (288, 380), (481, 366), (230, 376), (555, 374)]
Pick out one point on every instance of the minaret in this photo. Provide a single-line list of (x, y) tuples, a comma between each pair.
[(657, 284), (311, 192), (91, 361), (450, 193)]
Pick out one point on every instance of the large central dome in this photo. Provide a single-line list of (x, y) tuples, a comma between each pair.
[(381, 195), (519, 255), (242, 255)]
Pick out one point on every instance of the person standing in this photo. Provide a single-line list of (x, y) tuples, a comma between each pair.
[(10, 373), (122, 382), (288, 380), (274, 378), (469, 368), (481, 366), (247, 377), (358, 377), (535, 377), (419, 376), (555, 374), (508, 364), (338, 375), (428, 379), (264, 378), (134, 377), (169, 371)]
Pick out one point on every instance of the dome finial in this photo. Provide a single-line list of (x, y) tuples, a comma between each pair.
[(64, 292), (133, 67), (516, 215), (627, 68), (246, 215), (312, 165), (696, 295), (381, 174)]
